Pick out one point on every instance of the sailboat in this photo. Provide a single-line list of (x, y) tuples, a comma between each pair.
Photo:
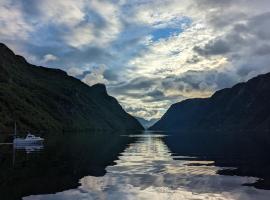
[(30, 139)]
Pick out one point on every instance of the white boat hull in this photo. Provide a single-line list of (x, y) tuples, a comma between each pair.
[(19, 141)]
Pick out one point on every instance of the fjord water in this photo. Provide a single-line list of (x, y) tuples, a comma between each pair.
[(109, 166)]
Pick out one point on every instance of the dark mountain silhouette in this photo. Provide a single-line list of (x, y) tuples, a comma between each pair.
[(244, 107), (40, 98)]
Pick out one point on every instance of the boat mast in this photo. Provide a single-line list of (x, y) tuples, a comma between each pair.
[(15, 129)]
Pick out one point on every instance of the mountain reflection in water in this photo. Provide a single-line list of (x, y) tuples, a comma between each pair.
[(147, 169), (58, 166)]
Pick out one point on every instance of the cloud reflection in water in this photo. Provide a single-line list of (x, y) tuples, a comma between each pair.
[(147, 170)]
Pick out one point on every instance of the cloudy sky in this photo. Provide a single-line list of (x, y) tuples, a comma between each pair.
[(149, 53)]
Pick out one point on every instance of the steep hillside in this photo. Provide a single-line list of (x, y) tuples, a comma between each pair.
[(40, 98), (244, 107)]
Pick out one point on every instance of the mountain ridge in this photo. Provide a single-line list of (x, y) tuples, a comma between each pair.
[(242, 107), (41, 98)]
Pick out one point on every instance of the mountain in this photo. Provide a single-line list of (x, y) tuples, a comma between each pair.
[(40, 98), (146, 123), (244, 107)]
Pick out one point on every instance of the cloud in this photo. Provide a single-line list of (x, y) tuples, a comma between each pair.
[(110, 75), (80, 36), (49, 58), (263, 50), (95, 76), (62, 12), (214, 47), (149, 58), (13, 23)]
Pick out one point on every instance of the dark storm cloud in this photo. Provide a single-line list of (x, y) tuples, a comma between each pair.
[(191, 81), (131, 109), (140, 83), (156, 94), (143, 88), (213, 3), (195, 59), (70, 56), (257, 26), (152, 90), (215, 47), (263, 50), (90, 54), (260, 26), (246, 45), (85, 73), (110, 75), (149, 90)]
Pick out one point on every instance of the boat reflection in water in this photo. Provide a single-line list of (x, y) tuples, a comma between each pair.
[(29, 148), (147, 169)]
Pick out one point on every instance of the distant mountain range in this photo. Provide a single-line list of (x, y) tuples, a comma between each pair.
[(146, 123), (244, 107), (40, 98)]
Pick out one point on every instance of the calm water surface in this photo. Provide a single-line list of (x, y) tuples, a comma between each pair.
[(141, 167)]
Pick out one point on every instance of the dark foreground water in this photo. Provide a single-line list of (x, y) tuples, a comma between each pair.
[(139, 166)]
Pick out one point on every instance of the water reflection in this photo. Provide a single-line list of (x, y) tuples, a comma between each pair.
[(147, 169), (34, 148), (28, 149), (64, 159)]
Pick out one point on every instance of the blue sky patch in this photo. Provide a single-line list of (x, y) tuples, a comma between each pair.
[(165, 33), (170, 31)]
